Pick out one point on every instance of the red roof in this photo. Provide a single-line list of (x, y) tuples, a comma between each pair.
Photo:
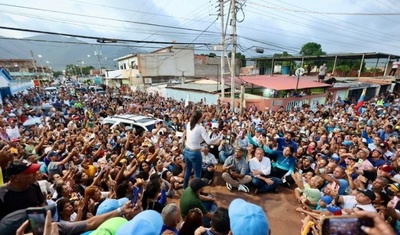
[(280, 83)]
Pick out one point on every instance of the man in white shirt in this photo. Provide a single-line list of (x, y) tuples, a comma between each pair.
[(209, 162), (260, 168), (322, 73), (13, 130), (362, 201), (208, 158), (395, 66)]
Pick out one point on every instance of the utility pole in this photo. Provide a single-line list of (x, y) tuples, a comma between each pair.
[(233, 53), (242, 89), (33, 61), (97, 53), (221, 12)]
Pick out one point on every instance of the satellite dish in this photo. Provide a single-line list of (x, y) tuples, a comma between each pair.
[(299, 72)]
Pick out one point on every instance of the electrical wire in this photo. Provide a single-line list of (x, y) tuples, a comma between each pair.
[(331, 13), (332, 25), (96, 38), (339, 32), (102, 18)]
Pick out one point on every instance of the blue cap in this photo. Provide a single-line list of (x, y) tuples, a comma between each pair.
[(327, 199), (122, 201), (347, 143), (260, 130), (148, 222), (247, 218), (323, 156), (107, 205), (335, 157)]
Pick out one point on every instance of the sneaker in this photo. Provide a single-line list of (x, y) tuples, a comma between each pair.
[(286, 185), (207, 181), (229, 186), (243, 188)]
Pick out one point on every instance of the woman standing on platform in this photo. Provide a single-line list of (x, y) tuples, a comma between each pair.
[(195, 135)]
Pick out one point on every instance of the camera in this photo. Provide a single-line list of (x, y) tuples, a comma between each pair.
[(344, 225)]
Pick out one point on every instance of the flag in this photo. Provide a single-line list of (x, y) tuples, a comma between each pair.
[(360, 102), (187, 100)]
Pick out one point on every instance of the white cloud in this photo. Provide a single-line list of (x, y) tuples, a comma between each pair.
[(278, 25)]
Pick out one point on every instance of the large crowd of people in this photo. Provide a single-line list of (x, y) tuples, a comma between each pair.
[(340, 159)]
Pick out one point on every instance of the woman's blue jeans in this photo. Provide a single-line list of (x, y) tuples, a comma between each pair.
[(193, 160)]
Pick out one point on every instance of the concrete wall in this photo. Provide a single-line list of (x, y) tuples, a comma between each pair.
[(287, 103), (194, 96), (127, 63), (210, 66), (3, 81), (131, 75), (20, 86), (177, 62)]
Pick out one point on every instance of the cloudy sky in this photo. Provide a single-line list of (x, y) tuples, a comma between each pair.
[(275, 25)]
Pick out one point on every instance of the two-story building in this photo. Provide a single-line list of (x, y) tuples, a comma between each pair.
[(22, 69), (160, 66), (173, 64)]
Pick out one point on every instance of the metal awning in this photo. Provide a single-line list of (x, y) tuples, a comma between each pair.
[(367, 55)]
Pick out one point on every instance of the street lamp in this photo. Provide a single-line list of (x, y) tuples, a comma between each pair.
[(41, 62), (48, 68), (80, 66)]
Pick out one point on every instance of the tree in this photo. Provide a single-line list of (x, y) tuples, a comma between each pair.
[(241, 57), (86, 70), (57, 74), (212, 55), (283, 55), (312, 48), (72, 69)]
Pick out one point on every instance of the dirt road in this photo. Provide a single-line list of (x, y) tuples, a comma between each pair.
[(279, 207)]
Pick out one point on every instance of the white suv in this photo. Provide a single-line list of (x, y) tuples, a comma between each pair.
[(140, 123)]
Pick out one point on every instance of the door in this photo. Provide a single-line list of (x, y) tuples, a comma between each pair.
[(370, 93)]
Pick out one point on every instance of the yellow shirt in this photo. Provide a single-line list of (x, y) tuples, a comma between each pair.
[(1, 177), (91, 171)]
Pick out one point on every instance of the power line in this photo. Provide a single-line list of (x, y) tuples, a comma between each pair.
[(329, 13), (97, 38), (102, 18), (137, 11), (113, 28), (339, 32), (367, 33)]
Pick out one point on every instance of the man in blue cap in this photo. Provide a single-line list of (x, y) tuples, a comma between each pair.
[(247, 218)]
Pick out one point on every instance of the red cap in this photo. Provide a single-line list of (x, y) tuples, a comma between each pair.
[(386, 168), (22, 166), (33, 168)]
